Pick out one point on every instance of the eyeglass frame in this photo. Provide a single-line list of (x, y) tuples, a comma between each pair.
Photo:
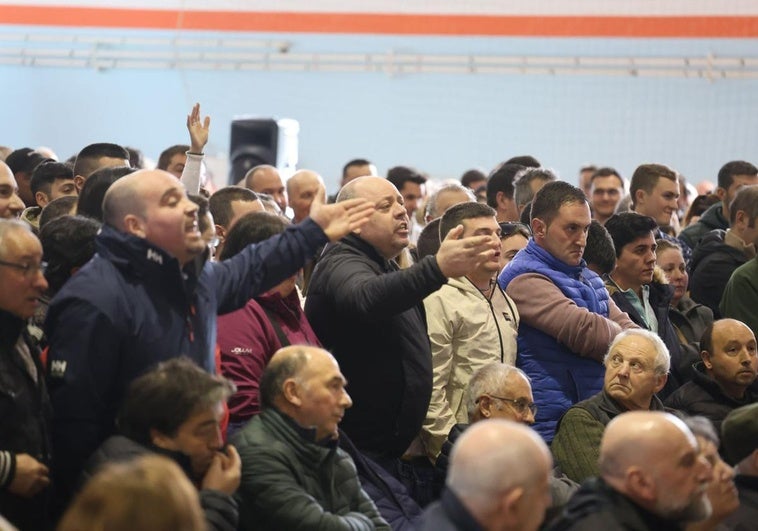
[(519, 404), (28, 270)]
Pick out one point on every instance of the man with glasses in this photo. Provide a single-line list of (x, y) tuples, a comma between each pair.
[(24, 444), (636, 368)]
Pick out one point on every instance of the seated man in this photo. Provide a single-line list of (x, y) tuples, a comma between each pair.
[(295, 476), (494, 486), (636, 367), (567, 319), (725, 379), (739, 438), (500, 391), (471, 322), (175, 410), (652, 477), (636, 289)]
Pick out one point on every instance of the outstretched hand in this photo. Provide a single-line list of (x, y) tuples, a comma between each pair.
[(198, 129), (459, 256), (341, 218)]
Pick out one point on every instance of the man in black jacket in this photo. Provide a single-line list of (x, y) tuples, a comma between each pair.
[(652, 477), (25, 407), (370, 315), (739, 436)]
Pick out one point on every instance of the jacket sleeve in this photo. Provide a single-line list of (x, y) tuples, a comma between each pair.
[(262, 266), (576, 445), (191, 173), (542, 305), (83, 366), (440, 418), (269, 486), (740, 298), (361, 291), (220, 510)]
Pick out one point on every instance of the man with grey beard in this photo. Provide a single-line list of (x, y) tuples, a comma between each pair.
[(652, 477)]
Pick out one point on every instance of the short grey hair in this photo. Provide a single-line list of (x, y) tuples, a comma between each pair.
[(662, 356), (488, 379), (522, 183), (431, 204), (700, 426), (11, 225)]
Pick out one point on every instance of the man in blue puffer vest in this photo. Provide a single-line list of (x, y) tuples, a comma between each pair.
[(567, 318), (150, 295)]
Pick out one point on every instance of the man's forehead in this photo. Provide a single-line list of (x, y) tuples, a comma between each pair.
[(19, 243), (375, 188), (635, 345), (576, 212), (6, 177)]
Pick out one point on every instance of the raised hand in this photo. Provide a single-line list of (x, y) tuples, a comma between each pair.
[(198, 129), (460, 256), (341, 218)]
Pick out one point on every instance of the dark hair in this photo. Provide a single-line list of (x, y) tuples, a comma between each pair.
[(646, 176), (501, 180), (354, 162), (522, 184), (730, 170), (56, 208), (699, 205), (606, 171), (746, 200), (275, 374), (91, 196), (599, 251), (24, 160), (164, 159), (68, 242), (551, 197), (399, 175), (136, 159), (87, 159), (472, 176), (454, 215), (164, 398), (524, 160), (429, 240), (220, 203), (253, 227), (46, 173), (626, 227), (509, 228)]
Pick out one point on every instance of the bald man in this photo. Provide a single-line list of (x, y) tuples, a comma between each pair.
[(294, 475), (491, 485), (149, 295), (265, 179), (652, 477), (11, 204), (302, 188)]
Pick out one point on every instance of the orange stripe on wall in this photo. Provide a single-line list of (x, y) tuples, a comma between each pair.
[(387, 24)]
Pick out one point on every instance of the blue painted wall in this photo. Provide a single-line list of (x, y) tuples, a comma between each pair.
[(443, 124)]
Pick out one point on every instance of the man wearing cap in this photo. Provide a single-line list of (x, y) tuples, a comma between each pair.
[(739, 438)]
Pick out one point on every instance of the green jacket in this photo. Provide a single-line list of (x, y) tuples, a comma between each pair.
[(292, 483)]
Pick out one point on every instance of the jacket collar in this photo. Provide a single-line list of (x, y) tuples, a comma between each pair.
[(356, 242), (702, 379), (10, 328), (457, 512)]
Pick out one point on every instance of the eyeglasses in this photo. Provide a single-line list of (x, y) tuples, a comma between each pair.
[(29, 270), (509, 228), (521, 405)]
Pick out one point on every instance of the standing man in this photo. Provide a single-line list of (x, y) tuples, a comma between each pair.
[(567, 317), (500, 191), (370, 315), (302, 189), (265, 179), (24, 430), (606, 191), (147, 296), (412, 186), (471, 323)]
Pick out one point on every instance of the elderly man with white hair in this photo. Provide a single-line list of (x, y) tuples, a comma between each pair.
[(636, 368), (492, 485)]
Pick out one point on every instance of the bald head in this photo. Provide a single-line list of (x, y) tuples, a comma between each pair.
[(265, 179), (653, 458), (302, 189), (126, 196), (494, 457)]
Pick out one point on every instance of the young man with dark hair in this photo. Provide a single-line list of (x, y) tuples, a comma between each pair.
[(732, 176), (95, 156), (500, 191), (229, 204), (22, 163), (606, 188), (173, 159), (50, 180), (567, 317)]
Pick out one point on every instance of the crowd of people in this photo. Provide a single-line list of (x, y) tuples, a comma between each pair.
[(507, 351)]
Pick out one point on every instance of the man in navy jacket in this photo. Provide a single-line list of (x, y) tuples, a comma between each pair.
[(149, 295)]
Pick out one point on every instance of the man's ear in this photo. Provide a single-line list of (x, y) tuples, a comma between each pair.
[(510, 505), (662, 379), (639, 483), (41, 199), (134, 225), (720, 192), (79, 181), (539, 227), (291, 392), (639, 196), (220, 232), (706, 357)]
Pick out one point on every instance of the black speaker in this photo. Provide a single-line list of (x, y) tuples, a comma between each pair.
[(254, 141)]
